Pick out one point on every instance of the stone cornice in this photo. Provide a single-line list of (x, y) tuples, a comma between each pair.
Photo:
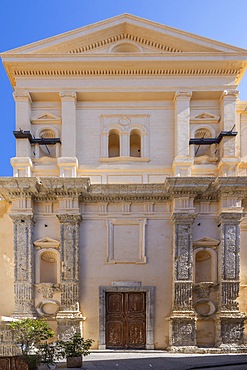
[(125, 72)]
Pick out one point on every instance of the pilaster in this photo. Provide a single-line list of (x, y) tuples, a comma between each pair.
[(69, 317), (228, 147), (183, 327), (182, 162), (24, 265), (68, 99), (22, 163), (231, 320), (68, 163)]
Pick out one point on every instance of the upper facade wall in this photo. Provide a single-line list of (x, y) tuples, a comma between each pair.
[(119, 101)]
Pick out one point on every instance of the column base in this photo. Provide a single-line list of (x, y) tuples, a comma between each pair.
[(182, 166), (68, 323), (183, 331), (232, 330)]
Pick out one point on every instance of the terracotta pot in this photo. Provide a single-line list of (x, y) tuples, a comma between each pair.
[(74, 361)]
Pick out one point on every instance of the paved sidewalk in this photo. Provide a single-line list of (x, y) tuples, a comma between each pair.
[(161, 360)]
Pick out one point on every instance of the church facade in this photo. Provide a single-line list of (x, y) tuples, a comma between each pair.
[(125, 217)]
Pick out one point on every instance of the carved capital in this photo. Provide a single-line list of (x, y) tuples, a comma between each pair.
[(231, 217), (20, 95), (182, 95), (68, 95), (69, 218), (183, 218), (230, 94), (22, 217)]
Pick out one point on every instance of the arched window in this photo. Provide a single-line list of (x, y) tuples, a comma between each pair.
[(203, 149), (113, 144), (47, 150), (135, 143), (203, 267)]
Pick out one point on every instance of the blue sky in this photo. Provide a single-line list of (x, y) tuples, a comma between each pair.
[(26, 21)]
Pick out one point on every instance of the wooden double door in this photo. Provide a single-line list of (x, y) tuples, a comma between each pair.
[(125, 320)]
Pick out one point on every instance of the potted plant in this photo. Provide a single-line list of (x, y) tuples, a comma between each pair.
[(49, 354), (29, 334), (73, 349)]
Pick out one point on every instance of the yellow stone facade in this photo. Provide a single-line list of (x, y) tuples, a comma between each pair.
[(129, 185)]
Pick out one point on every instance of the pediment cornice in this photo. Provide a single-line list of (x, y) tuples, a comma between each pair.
[(46, 118), (47, 243)]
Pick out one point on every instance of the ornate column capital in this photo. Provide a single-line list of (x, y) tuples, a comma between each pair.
[(22, 95), (231, 217), (22, 217), (69, 218), (230, 94), (183, 217), (68, 95), (182, 95)]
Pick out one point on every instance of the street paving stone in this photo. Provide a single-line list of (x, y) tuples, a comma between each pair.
[(160, 360)]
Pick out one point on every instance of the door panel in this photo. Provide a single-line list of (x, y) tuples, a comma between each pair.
[(125, 320)]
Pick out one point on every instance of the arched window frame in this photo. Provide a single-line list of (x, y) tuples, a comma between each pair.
[(125, 133)]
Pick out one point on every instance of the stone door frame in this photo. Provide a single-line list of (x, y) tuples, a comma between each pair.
[(149, 290)]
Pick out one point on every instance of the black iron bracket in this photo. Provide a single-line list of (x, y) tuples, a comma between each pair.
[(212, 140), (41, 141)]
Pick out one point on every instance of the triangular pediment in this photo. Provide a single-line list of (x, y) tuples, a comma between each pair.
[(103, 36), (204, 118), (206, 242), (46, 117), (46, 243)]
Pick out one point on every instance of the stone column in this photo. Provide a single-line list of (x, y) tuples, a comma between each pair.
[(183, 331), (69, 317), (182, 162), (231, 320), (228, 146), (68, 163), (24, 265), (22, 163)]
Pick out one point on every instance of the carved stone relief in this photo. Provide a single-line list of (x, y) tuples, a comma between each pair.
[(24, 265)]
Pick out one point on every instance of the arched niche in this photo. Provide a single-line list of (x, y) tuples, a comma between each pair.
[(205, 265), (47, 266)]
